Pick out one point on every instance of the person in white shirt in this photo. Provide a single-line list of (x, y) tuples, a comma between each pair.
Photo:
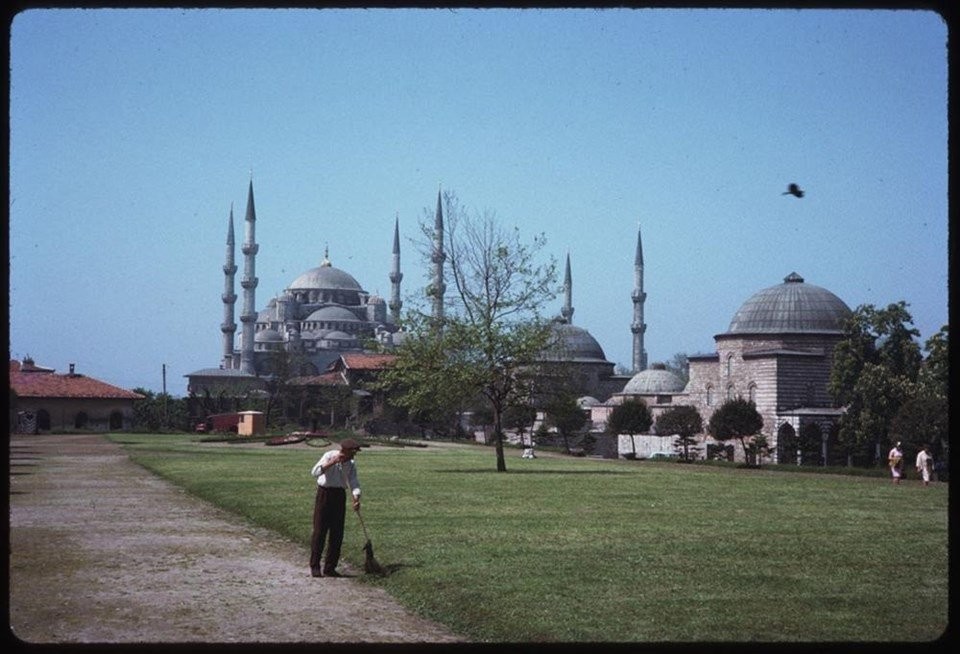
[(925, 465), (335, 472), (895, 461)]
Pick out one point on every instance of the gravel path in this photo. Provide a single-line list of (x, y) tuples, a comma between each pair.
[(101, 551)]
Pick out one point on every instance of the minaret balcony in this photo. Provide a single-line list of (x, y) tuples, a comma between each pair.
[(248, 283), (228, 327), (229, 270), (638, 329), (250, 248), (248, 318), (396, 277), (638, 296), (229, 298)]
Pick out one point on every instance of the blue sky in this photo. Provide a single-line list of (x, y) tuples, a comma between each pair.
[(133, 131)]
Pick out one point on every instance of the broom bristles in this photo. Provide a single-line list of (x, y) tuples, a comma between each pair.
[(370, 564)]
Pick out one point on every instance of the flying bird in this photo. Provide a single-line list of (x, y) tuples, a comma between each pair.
[(794, 190)]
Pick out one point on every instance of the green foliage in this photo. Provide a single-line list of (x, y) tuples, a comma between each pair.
[(738, 418), (488, 339), (565, 414), (657, 546), (631, 417), (877, 369), (160, 412), (684, 421)]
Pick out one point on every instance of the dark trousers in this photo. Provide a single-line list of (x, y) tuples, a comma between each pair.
[(329, 512)]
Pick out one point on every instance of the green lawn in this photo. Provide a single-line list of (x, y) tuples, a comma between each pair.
[(567, 549)]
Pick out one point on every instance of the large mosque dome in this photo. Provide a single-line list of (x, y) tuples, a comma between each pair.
[(655, 380), (574, 344), (325, 277), (793, 307)]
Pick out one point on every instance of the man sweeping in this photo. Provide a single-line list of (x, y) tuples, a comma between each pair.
[(336, 471)]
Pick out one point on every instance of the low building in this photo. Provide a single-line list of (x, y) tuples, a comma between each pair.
[(42, 400)]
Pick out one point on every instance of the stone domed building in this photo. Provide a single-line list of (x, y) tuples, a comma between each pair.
[(778, 353)]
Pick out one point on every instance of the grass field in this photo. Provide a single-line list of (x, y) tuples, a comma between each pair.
[(571, 549)]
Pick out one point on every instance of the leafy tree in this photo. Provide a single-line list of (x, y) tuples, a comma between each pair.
[(875, 371), (491, 334), (920, 421), (160, 411), (738, 418), (520, 417), (934, 376), (631, 417), (685, 422), (565, 414)]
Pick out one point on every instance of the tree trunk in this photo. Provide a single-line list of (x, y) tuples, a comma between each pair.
[(498, 439)]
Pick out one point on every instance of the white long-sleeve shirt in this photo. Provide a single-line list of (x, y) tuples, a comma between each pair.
[(332, 477)]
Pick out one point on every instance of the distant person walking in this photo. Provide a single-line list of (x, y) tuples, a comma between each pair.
[(895, 461), (925, 465), (329, 509)]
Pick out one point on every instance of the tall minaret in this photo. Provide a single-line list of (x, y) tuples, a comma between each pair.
[(567, 311), (395, 275), (638, 327), (229, 326), (249, 284), (437, 287)]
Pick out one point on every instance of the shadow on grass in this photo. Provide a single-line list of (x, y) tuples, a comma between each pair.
[(546, 471)]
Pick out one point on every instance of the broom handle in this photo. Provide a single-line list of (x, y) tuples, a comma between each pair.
[(346, 480)]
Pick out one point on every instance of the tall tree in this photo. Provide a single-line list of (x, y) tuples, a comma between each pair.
[(738, 418), (680, 366), (874, 373), (631, 417), (685, 422), (565, 414), (491, 333)]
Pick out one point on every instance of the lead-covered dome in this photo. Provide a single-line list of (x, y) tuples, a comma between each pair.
[(573, 343), (655, 380), (327, 278), (791, 307)]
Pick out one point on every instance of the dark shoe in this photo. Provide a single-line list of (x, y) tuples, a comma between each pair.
[(332, 573), (315, 572)]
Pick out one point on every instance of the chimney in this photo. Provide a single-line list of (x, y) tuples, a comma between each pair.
[(71, 369)]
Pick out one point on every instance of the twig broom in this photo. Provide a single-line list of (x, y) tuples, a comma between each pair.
[(370, 564)]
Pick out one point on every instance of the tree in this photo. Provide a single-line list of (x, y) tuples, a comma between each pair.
[(490, 336), (565, 414), (934, 375), (738, 418), (685, 422), (875, 370), (520, 417), (631, 417)]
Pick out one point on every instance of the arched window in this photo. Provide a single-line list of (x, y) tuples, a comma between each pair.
[(729, 364), (730, 392), (752, 393), (80, 420), (116, 420), (709, 395), (43, 420)]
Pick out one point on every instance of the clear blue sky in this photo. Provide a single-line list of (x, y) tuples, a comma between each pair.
[(133, 131)]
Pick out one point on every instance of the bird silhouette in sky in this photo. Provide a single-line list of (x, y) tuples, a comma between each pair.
[(794, 190)]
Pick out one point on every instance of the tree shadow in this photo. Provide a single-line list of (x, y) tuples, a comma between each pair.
[(545, 471)]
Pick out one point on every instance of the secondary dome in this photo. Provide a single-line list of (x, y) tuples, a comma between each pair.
[(327, 278), (791, 307), (656, 379), (574, 344), (333, 313)]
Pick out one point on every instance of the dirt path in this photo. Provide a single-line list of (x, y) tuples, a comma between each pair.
[(103, 552)]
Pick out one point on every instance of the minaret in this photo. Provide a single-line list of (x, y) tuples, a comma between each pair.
[(249, 283), (229, 326), (638, 327), (395, 275), (437, 287), (567, 311)]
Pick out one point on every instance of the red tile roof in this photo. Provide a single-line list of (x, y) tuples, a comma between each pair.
[(368, 361), (49, 384), (326, 379)]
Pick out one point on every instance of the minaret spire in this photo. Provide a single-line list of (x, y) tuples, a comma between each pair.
[(229, 326), (437, 287), (395, 275), (567, 311), (249, 283), (638, 327)]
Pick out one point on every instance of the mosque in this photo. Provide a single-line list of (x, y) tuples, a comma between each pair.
[(777, 350)]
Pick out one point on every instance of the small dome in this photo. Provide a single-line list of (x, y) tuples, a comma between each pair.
[(574, 344), (339, 336), (338, 314), (326, 278), (586, 402), (654, 380), (791, 307), (268, 336)]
